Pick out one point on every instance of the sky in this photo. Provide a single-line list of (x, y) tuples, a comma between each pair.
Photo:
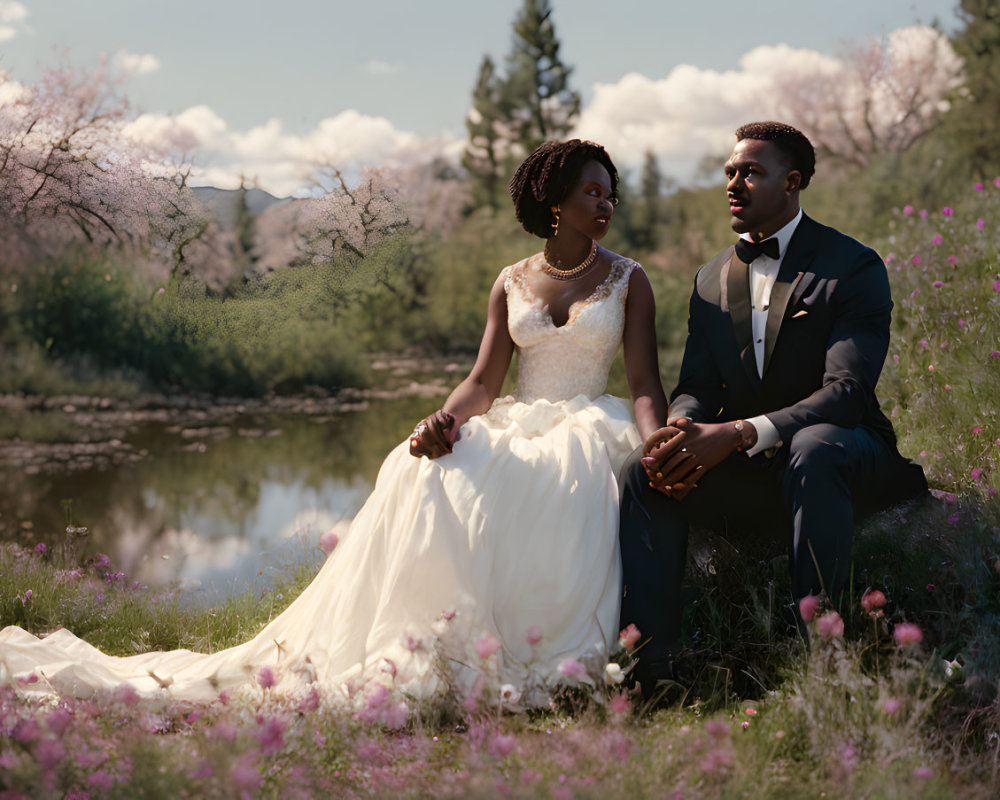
[(261, 88)]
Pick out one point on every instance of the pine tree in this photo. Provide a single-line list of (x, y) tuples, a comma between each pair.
[(974, 119), (540, 104), (483, 158), (244, 242)]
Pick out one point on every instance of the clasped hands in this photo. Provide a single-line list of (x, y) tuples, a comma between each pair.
[(434, 436), (679, 454)]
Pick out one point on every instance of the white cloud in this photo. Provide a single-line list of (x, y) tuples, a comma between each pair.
[(376, 67), (692, 112), (12, 18), (11, 91), (278, 161), (134, 64)]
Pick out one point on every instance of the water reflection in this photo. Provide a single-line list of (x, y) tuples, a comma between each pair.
[(214, 506)]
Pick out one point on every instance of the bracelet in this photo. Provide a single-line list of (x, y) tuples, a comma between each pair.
[(741, 428)]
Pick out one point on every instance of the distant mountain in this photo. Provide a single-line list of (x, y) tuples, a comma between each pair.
[(224, 202)]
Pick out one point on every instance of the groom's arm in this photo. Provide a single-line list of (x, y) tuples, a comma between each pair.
[(699, 386)]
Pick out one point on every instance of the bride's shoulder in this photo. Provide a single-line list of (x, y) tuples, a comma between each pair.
[(515, 271), (621, 266)]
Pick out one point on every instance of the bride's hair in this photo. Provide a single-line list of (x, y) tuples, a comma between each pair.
[(546, 177)]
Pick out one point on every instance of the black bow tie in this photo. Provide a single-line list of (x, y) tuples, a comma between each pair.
[(747, 251)]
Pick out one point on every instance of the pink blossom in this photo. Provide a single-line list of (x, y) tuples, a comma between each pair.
[(266, 677), (917, 259), (953, 518), (980, 223), (49, 753), (923, 213), (950, 497), (995, 354), (830, 625), (244, 774), (978, 187), (977, 430), (930, 368), (808, 606), (996, 182), (745, 724), (948, 211), (40, 548), (914, 293), (629, 636), (938, 239), (947, 387), (975, 474), (996, 286), (487, 645), (872, 600), (160, 291), (328, 541), (937, 284), (923, 343), (271, 735), (962, 323), (752, 712), (952, 259), (619, 704), (907, 210), (907, 633), (27, 680), (891, 706), (533, 635), (572, 668), (923, 773)]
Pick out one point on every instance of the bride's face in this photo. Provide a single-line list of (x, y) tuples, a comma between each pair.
[(588, 206)]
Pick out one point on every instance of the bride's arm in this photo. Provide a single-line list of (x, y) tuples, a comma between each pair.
[(641, 361), (436, 434)]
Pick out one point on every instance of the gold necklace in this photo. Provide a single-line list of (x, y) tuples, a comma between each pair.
[(570, 274)]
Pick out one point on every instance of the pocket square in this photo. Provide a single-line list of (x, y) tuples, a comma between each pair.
[(798, 314)]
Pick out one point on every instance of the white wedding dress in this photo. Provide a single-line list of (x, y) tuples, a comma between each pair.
[(514, 530)]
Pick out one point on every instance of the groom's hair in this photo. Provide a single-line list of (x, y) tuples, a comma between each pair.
[(797, 149), (546, 177)]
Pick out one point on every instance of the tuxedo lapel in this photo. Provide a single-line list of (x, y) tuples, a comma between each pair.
[(799, 255), (736, 286)]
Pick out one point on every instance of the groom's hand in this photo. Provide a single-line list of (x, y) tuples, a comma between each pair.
[(672, 468)]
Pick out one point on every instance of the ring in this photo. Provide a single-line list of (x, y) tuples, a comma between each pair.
[(659, 474), (684, 449)]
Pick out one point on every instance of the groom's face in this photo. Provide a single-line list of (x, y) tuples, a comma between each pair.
[(763, 191)]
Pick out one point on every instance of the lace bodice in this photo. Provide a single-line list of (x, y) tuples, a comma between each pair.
[(560, 363)]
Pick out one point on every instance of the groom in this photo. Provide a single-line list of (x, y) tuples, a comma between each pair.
[(774, 425)]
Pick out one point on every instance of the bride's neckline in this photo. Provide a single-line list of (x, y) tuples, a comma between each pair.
[(577, 306)]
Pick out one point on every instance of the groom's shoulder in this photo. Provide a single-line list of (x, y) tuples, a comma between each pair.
[(832, 242)]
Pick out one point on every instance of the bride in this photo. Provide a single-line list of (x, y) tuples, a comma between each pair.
[(488, 546)]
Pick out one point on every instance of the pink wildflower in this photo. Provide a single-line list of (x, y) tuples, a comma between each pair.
[(750, 711), (40, 547), (952, 259), (978, 187), (830, 625), (328, 541), (923, 343), (923, 773), (58, 721), (533, 635), (937, 284), (619, 704), (872, 601), (244, 774), (977, 430), (502, 745), (49, 753), (975, 474), (996, 182), (995, 354), (951, 497), (917, 259), (487, 646), (930, 368), (271, 735), (980, 223), (808, 606), (953, 518), (573, 669), (891, 706), (745, 724), (938, 239), (948, 211), (996, 286), (962, 323), (126, 695), (907, 633), (923, 213), (266, 677), (907, 210), (629, 637), (914, 293)]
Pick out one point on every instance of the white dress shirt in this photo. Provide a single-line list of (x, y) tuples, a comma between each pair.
[(763, 273)]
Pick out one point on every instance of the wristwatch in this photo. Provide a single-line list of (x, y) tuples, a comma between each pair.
[(745, 435)]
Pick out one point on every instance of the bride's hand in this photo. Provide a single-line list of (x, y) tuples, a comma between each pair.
[(671, 467), (434, 435)]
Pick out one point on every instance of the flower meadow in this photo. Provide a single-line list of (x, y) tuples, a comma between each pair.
[(892, 691)]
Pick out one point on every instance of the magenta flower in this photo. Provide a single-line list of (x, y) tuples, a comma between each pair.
[(930, 368), (629, 637), (49, 753), (948, 211), (917, 259), (914, 293), (953, 518), (996, 286), (996, 182), (923, 773), (952, 259), (271, 735), (907, 633), (923, 213), (962, 323), (995, 354), (938, 239), (891, 706), (980, 223), (977, 430), (619, 704), (40, 548), (872, 600), (830, 625), (245, 776), (937, 284), (907, 210), (533, 635), (328, 541), (950, 497), (487, 646), (266, 677), (808, 606), (975, 474), (978, 187), (923, 343)]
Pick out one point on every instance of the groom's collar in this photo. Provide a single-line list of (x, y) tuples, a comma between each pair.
[(784, 234)]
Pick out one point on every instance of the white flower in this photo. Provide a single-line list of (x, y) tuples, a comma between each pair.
[(509, 694), (613, 673)]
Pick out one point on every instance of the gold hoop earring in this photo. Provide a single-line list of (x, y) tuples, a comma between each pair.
[(555, 223)]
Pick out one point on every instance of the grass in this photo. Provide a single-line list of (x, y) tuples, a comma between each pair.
[(757, 713)]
